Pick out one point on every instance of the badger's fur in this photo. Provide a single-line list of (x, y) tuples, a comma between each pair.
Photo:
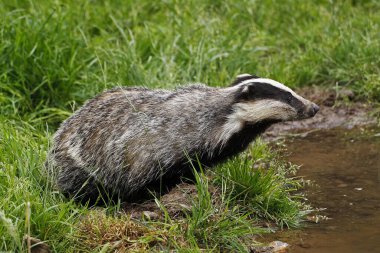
[(127, 141)]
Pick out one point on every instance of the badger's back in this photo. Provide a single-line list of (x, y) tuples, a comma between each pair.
[(128, 138)]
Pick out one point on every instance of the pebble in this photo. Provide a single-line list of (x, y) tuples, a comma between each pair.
[(273, 247), (279, 247), (150, 215)]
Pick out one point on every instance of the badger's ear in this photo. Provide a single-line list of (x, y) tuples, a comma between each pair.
[(246, 91), (242, 78)]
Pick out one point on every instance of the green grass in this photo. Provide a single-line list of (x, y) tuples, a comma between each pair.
[(54, 55), (264, 190)]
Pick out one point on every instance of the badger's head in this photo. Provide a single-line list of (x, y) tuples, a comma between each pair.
[(265, 100)]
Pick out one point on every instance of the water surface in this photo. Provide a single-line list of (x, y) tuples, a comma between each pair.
[(345, 167)]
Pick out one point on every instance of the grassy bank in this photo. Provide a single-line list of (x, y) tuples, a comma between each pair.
[(226, 219), (54, 56)]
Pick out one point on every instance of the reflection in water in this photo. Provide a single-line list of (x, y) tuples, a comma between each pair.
[(345, 167)]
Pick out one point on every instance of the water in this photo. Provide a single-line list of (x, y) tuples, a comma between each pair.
[(345, 166)]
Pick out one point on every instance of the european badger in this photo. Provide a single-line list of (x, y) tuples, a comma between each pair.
[(127, 141)]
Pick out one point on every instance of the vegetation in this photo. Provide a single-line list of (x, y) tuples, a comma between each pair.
[(222, 220), (54, 55)]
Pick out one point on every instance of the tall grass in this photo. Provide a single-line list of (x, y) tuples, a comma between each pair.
[(23, 180), (216, 225), (56, 54), (263, 184)]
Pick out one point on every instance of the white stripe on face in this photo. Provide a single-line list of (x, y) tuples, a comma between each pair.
[(243, 75), (266, 109), (254, 112)]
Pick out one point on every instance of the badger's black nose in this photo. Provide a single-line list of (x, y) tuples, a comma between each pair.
[(314, 109)]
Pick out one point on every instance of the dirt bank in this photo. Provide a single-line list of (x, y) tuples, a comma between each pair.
[(337, 109)]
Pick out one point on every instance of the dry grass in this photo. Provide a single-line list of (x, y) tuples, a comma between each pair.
[(99, 231)]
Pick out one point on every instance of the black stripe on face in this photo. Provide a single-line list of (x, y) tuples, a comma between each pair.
[(259, 91)]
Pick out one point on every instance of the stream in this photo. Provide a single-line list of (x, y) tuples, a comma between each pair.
[(344, 168)]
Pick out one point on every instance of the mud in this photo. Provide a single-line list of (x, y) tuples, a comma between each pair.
[(176, 203)]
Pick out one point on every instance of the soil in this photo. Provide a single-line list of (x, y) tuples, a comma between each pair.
[(176, 203)]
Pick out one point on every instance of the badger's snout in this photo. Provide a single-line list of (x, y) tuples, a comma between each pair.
[(312, 110)]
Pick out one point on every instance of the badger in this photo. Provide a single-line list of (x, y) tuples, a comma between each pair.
[(130, 141)]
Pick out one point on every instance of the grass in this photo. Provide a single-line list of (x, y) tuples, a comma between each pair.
[(222, 221), (54, 55), (265, 189)]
